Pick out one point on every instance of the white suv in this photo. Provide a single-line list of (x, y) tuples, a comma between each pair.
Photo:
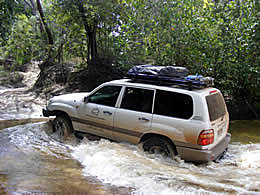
[(164, 119)]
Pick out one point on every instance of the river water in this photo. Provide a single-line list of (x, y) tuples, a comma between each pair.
[(33, 162)]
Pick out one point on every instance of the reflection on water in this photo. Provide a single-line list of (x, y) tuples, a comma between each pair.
[(245, 131), (31, 160)]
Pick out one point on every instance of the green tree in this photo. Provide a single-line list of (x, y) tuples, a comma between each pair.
[(9, 9), (213, 38), (96, 18)]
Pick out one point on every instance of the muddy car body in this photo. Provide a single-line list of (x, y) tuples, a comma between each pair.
[(163, 119)]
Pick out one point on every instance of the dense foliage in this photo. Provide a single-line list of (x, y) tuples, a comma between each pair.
[(219, 38)]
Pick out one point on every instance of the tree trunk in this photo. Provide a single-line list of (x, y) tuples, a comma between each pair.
[(92, 44), (49, 34), (91, 32), (50, 60), (31, 4), (34, 9)]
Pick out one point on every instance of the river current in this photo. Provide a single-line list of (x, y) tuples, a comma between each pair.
[(33, 161)]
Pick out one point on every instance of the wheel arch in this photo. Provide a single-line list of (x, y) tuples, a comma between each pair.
[(150, 135), (64, 114)]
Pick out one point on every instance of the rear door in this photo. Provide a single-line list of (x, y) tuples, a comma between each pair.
[(171, 115), (218, 114), (134, 116)]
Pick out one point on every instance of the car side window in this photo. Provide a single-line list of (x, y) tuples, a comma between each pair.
[(173, 104), (138, 99), (105, 96)]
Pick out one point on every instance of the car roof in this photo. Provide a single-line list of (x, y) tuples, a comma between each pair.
[(129, 82)]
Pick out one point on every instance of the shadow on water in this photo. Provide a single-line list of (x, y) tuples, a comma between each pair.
[(32, 161)]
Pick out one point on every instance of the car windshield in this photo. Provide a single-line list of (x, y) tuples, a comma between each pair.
[(216, 106)]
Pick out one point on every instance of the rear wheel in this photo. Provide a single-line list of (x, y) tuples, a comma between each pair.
[(159, 146), (62, 127)]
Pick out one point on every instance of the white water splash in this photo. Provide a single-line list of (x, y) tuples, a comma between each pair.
[(126, 165), (246, 156), (39, 137)]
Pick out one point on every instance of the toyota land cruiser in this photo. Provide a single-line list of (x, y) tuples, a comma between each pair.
[(191, 123)]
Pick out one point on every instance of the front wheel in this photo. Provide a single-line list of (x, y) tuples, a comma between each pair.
[(62, 127), (159, 146)]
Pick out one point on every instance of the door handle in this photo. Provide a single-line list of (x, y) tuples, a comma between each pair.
[(143, 119), (95, 111), (107, 112)]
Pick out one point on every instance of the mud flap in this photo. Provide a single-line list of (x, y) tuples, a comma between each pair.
[(221, 156)]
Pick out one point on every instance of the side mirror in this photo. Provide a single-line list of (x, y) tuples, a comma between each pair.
[(85, 100)]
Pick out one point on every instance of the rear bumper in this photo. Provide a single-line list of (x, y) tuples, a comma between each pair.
[(196, 155)]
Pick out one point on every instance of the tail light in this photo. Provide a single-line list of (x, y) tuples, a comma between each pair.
[(206, 137), (213, 91)]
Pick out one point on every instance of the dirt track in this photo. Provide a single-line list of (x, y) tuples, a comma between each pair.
[(17, 103)]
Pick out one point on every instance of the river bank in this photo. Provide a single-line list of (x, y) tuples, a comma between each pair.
[(19, 99)]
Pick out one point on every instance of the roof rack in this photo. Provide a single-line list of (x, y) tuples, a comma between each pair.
[(168, 75), (189, 82)]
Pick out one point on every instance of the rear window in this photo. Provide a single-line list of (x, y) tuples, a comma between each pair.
[(216, 106), (173, 104)]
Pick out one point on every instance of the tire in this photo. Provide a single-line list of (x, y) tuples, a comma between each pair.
[(159, 146), (62, 127)]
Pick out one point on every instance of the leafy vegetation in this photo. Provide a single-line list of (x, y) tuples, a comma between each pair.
[(218, 38)]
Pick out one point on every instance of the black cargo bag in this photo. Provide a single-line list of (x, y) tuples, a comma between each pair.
[(152, 71)]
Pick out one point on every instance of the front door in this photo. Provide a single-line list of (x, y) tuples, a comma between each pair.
[(97, 114)]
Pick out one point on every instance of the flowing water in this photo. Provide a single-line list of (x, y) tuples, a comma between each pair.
[(32, 161)]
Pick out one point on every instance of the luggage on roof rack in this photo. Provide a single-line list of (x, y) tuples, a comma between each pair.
[(168, 75), (170, 71)]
